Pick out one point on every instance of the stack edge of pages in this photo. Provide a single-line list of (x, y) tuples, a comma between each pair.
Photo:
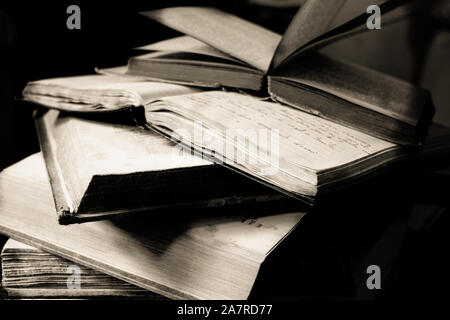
[(28, 272), (178, 256)]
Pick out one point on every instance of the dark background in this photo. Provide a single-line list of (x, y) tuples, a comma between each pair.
[(35, 44)]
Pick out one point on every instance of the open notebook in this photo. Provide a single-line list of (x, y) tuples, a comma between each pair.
[(189, 256)]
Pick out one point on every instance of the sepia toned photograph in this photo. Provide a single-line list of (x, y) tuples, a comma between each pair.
[(255, 154)]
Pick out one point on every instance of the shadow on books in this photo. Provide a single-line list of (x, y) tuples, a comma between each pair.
[(171, 225)]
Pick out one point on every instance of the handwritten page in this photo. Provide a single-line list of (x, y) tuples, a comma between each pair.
[(309, 149), (239, 38), (313, 142)]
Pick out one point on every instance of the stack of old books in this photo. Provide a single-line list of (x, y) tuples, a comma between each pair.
[(179, 174)]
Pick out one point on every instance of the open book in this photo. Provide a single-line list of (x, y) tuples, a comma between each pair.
[(194, 256), (28, 272), (292, 151), (98, 169), (222, 50)]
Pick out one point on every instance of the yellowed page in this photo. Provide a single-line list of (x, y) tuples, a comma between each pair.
[(305, 141)]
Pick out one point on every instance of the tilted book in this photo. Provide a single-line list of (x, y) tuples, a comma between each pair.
[(28, 272), (99, 169), (187, 256), (221, 50)]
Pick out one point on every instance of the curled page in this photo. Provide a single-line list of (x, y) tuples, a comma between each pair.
[(320, 22)]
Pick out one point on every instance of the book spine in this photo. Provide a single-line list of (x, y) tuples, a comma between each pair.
[(63, 208)]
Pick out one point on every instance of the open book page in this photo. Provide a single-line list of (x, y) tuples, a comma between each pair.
[(187, 44), (232, 35), (257, 235), (98, 92), (119, 149), (316, 144), (164, 255), (318, 20), (312, 19), (262, 164)]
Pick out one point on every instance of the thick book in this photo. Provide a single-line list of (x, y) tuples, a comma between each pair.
[(185, 256), (28, 272), (103, 166), (221, 50)]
